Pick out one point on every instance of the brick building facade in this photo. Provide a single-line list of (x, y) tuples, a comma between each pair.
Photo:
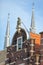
[(24, 51)]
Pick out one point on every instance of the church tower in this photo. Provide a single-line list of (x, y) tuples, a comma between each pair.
[(32, 27), (7, 36)]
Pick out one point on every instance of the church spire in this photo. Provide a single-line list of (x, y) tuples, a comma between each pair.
[(7, 36), (32, 27)]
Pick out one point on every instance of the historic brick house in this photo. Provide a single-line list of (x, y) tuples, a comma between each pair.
[(23, 51)]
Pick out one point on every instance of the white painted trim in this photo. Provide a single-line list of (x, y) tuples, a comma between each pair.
[(17, 42), (26, 58)]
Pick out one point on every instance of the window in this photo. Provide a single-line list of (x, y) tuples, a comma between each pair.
[(19, 43)]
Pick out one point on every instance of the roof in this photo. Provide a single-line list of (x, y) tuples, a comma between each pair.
[(16, 35), (2, 55), (41, 32)]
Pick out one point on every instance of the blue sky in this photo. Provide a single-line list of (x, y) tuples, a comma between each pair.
[(22, 9)]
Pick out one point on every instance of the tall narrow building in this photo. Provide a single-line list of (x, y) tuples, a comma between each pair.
[(7, 36), (32, 27)]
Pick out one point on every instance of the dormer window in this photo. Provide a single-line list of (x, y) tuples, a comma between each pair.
[(19, 43)]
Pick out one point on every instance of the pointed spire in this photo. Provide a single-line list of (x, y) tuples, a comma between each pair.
[(32, 28), (7, 37)]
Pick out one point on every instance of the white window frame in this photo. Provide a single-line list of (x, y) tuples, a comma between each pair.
[(17, 42)]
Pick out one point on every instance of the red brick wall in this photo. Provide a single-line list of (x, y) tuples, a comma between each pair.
[(41, 49)]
